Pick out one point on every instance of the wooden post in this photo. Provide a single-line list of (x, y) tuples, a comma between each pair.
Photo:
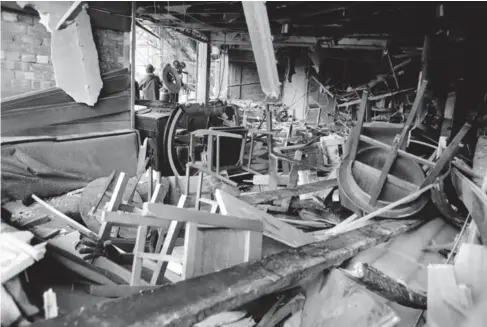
[(132, 68)]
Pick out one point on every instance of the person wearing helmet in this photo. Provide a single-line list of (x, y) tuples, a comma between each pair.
[(150, 84)]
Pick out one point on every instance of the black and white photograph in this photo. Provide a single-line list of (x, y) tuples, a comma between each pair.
[(243, 163)]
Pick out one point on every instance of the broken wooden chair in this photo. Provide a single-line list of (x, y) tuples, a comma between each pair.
[(384, 175)]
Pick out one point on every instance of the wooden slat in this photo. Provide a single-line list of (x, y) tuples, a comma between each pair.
[(169, 243), (112, 205), (69, 221), (357, 130), (273, 228), (447, 155), (268, 196), (184, 304), (163, 211)]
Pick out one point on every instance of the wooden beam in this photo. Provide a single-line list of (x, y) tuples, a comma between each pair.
[(188, 302), (268, 196), (376, 281)]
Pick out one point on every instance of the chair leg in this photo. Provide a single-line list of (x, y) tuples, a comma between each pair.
[(139, 248), (198, 190), (169, 242)]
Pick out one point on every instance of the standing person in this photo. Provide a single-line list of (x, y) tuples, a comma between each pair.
[(150, 84)]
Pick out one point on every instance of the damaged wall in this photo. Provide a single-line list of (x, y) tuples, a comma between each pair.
[(26, 55)]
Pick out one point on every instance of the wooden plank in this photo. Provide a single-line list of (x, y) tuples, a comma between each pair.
[(268, 196), (357, 130), (447, 155), (273, 228), (474, 200), (186, 303), (376, 281), (70, 222), (167, 212), (139, 248)]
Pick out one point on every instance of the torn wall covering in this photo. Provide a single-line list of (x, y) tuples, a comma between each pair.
[(73, 51)]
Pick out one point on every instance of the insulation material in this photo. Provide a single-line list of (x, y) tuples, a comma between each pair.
[(73, 51), (260, 35), (52, 166)]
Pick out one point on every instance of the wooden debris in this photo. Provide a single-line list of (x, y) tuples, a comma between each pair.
[(195, 299), (70, 222), (360, 221), (156, 214), (387, 287), (273, 228), (268, 196), (17, 254), (397, 144)]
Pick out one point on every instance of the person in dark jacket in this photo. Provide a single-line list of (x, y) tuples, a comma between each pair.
[(150, 84)]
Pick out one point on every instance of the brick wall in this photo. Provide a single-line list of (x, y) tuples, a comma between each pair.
[(26, 47)]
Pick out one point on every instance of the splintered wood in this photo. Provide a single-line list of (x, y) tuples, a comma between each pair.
[(195, 299), (273, 228)]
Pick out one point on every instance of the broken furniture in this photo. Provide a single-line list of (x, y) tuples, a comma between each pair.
[(230, 288), (373, 177), (233, 140)]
